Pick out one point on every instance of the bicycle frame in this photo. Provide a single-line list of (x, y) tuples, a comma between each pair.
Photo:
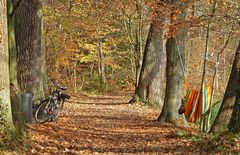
[(53, 105)]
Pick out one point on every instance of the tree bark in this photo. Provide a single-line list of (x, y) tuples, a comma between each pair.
[(153, 67), (14, 87), (30, 53), (6, 124), (175, 78), (175, 48), (229, 110)]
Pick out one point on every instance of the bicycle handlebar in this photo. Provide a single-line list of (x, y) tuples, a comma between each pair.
[(56, 84)]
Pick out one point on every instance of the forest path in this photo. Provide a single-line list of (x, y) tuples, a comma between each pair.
[(107, 124)]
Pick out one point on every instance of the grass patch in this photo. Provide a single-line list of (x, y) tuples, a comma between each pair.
[(193, 137), (226, 142), (223, 143), (149, 103), (215, 110)]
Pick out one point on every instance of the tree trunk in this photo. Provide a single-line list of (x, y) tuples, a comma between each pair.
[(203, 126), (234, 124), (153, 67), (142, 29), (137, 32), (229, 111), (30, 53), (101, 64), (175, 48), (75, 76), (175, 78), (14, 87), (6, 124)]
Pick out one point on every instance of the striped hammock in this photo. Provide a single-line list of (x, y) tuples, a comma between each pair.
[(195, 106)]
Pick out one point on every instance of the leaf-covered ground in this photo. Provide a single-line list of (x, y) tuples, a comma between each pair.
[(107, 124)]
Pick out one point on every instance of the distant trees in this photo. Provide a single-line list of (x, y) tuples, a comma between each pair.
[(99, 49), (135, 19), (73, 33), (91, 42)]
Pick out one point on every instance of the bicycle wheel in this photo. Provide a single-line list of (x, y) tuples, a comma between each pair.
[(57, 110), (43, 112)]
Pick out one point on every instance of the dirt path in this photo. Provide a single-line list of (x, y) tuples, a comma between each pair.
[(106, 124)]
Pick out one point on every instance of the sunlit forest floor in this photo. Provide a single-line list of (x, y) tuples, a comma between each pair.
[(107, 124)]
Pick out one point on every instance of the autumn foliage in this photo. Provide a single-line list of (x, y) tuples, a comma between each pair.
[(70, 30)]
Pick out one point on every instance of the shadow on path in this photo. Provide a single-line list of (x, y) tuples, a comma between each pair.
[(108, 125)]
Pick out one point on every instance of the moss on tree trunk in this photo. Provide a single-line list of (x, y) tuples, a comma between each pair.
[(6, 124)]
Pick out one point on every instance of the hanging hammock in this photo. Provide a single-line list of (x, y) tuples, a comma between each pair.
[(195, 107)]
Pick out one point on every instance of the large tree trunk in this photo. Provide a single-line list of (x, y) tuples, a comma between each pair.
[(175, 48), (229, 111), (153, 67), (14, 88), (175, 78), (30, 53), (6, 124)]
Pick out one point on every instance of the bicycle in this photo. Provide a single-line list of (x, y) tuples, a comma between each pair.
[(50, 108)]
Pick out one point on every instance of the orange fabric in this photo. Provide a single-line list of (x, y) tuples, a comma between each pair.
[(193, 115), (189, 102), (191, 105), (194, 105), (185, 88)]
